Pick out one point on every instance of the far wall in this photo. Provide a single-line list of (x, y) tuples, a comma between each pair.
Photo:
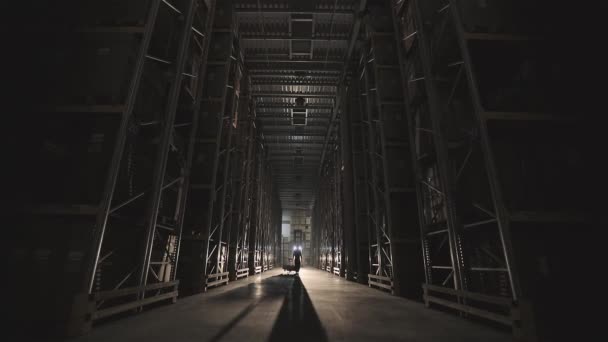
[(296, 231)]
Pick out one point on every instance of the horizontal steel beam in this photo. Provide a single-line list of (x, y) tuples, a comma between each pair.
[(312, 165), (314, 158), (311, 155), (291, 158), (261, 59), (284, 94), (286, 117), (288, 38), (290, 127), (312, 118), (289, 192), (293, 10), (295, 171), (295, 83), (301, 70), (290, 195), (289, 138), (290, 176), (292, 151), (283, 105), (287, 186), (279, 70), (313, 113), (318, 113), (299, 188), (307, 143), (294, 76), (290, 135), (285, 76)]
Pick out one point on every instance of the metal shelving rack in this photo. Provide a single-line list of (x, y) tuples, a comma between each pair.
[(325, 205), (242, 167), (337, 236), (206, 253), (330, 203), (348, 193), (264, 224), (391, 196), (173, 43), (219, 235), (276, 243), (491, 212), (132, 81), (354, 117), (315, 243), (447, 145), (269, 222), (256, 244), (264, 241), (248, 204)]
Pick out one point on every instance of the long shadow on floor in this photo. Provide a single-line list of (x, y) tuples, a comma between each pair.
[(297, 320)]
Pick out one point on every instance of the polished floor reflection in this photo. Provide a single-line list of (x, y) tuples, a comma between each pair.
[(317, 306)]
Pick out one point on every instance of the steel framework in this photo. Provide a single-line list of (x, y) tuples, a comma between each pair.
[(476, 207), (123, 213), (353, 121), (243, 167), (424, 135), (119, 282), (266, 223), (387, 161), (328, 219), (448, 143), (205, 248)]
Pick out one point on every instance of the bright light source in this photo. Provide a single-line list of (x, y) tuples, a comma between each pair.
[(294, 248), (300, 247)]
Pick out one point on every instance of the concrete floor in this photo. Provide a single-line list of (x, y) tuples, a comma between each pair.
[(316, 307)]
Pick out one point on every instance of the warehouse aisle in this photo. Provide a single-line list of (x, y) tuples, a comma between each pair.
[(316, 307)]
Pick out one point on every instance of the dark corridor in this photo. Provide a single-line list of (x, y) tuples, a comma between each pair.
[(437, 162)]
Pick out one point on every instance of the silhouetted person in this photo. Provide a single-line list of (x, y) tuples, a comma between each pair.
[(297, 259)]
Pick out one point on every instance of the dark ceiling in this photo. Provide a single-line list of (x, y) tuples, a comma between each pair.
[(295, 51)]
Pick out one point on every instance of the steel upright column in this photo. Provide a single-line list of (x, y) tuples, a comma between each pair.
[(359, 171), (349, 213)]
